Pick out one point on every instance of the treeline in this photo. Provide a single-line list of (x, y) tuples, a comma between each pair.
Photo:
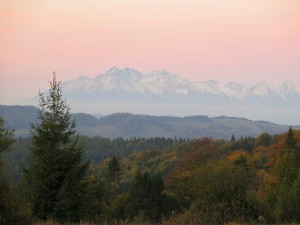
[(205, 181), (96, 150)]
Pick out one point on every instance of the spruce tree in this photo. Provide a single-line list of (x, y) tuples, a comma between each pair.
[(290, 141), (7, 214), (112, 180), (6, 137), (232, 138), (57, 169), (146, 197), (114, 172), (287, 204)]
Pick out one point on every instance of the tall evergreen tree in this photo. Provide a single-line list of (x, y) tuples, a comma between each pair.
[(290, 141), (288, 172), (6, 207), (56, 170), (146, 197), (232, 138), (114, 172), (6, 137), (12, 205)]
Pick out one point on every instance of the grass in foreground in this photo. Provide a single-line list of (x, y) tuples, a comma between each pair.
[(169, 222)]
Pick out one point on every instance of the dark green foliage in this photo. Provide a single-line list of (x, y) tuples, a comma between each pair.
[(288, 167), (288, 201), (146, 197), (287, 205), (93, 205), (114, 169), (19, 153), (232, 138), (247, 143), (294, 200), (222, 193), (290, 141), (113, 179), (263, 139), (96, 150), (118, 210), (56, 169), (6, 137), (99, 148), (12, 207)]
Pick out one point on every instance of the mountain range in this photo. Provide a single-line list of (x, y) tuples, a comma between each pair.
[(128, 125), (163, 93)]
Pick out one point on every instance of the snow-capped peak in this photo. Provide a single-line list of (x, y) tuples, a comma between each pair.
[(112, 70), (164, 83)]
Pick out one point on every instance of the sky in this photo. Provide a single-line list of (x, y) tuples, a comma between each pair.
[(225, 40)]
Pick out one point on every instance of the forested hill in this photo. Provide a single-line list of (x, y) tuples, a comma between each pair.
[(128, 125)]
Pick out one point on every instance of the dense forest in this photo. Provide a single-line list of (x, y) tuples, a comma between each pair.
[(199, 181), (61, 177), (96, 149)]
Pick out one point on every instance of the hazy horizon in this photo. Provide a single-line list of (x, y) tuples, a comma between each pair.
[(161, 93), (240, 41)]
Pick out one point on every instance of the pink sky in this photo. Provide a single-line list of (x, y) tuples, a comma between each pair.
[(225, 40)]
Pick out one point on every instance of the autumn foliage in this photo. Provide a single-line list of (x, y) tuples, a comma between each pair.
[(251, 180)]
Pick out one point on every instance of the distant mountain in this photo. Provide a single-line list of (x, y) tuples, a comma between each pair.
[(128, 125), (162, 83), (163, 93)]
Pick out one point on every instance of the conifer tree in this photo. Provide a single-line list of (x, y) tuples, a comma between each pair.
[(146, 197), (287, 205), (56, 170), (114, 172), (290, 141), (6, 202), (6, 137), (232, 138)]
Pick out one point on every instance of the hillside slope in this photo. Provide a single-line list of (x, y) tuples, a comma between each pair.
[(128, 125)]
